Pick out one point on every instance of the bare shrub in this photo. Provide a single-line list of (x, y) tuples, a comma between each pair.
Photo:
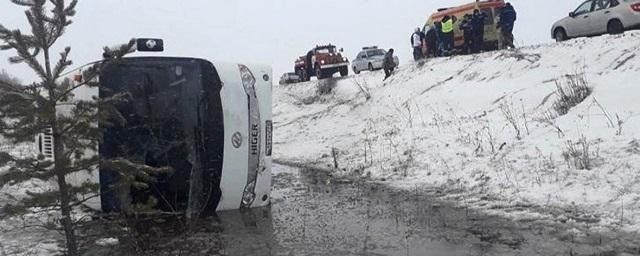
[(606, 114), (479, 136), (620, 123), (363, 87), (579, 154), (512, 118), (571, 91), (549, 118)]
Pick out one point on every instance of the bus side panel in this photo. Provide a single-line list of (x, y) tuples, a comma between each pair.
[(264, 85), (235, 166)]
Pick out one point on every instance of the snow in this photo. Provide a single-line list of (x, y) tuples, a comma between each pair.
[(436, 125)]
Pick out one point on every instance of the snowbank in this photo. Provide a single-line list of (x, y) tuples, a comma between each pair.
[(485, 128)]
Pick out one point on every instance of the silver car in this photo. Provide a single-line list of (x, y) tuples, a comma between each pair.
[(597, 17), (370, 58)]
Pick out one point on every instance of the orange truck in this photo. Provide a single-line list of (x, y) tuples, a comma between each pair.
[(492, 36)]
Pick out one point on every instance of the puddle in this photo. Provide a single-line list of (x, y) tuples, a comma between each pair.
[(311, 214)]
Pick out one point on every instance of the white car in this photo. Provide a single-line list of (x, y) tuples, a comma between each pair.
[(597, 17), (370, 58)]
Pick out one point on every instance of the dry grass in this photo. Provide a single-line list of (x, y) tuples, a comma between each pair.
[(580, 154), (572, 90)]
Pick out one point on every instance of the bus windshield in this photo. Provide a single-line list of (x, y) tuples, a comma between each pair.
[(173, 116)]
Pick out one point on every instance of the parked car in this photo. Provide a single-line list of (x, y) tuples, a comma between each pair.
[(289, 78), (321, 62), (492, 36), (370, 58), (597, 17)]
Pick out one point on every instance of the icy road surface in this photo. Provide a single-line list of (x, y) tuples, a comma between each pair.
[(313, 214)]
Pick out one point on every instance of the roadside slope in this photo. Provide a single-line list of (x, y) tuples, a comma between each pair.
[(486, 126)]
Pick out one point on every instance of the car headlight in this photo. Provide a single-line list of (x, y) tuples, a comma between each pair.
[(322, 62)]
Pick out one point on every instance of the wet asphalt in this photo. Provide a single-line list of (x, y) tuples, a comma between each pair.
[(314, 214), (311, 213)]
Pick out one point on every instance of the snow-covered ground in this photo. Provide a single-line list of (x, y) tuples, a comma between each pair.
[(22, 235), (453, 123)]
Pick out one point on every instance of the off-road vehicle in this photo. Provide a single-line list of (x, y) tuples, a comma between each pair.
[(322, 62)]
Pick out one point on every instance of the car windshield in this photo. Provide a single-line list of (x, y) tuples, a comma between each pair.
[(326, 50), (373, 53)]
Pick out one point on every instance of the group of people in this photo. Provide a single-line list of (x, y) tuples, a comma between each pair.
[(438, 40)]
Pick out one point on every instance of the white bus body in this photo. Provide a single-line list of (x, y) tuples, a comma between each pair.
[(243, 135)]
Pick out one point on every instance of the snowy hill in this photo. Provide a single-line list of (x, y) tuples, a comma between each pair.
[(489, 130)]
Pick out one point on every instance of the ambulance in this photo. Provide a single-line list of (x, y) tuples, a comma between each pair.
[(492, 36)]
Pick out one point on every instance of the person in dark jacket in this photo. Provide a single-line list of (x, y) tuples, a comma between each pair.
[(467, 30), (388, 64), (437, 27), (447, 34), (506, 23), (431, 40), (477, 28), (416, 42)]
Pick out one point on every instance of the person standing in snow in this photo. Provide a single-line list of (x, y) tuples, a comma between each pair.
[(437, 28), (431, 41), (388, 64), (447, 34), (416, 42), (467, 30), (477, 30), (506, 23)]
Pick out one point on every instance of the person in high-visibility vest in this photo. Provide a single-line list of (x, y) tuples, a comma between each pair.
[(447, 33)]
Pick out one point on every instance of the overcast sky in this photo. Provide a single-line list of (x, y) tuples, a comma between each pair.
[(270, 32)]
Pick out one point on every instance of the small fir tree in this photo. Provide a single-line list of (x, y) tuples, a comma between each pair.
[(48, 106)]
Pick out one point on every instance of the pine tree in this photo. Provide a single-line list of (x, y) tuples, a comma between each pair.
[(7, 78), (28, 110)]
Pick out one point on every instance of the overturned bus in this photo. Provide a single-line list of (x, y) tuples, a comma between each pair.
[(209, 122)]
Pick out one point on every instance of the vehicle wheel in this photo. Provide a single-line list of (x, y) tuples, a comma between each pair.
[(615, 27), (319, 74), (355, 70), (560, 35), (344, 71), (371, 67), (301, 74)]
